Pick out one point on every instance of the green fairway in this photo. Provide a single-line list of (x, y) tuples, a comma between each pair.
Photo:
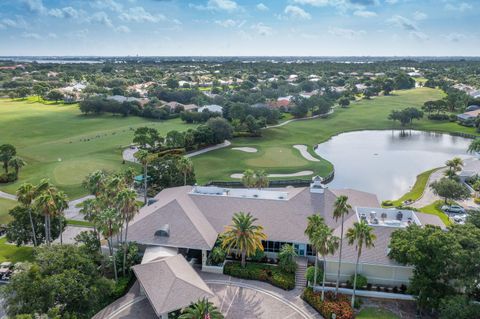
[(275, 149), (5, 206), (60, 143), (10, 252), (376, 313)]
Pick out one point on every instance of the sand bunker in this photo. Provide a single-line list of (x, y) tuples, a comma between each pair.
[(245, 149), (306, 155), (297, 174)]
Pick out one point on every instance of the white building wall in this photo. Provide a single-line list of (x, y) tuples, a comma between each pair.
[(376, 274)]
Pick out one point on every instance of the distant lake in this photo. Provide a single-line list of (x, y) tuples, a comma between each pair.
[(386, 163)]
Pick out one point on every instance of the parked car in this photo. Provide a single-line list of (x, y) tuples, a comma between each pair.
[(453, 209)]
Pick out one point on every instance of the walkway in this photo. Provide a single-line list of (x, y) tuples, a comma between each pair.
[(7, 196)]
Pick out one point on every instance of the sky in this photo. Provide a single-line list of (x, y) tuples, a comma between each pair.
[(240, 27)]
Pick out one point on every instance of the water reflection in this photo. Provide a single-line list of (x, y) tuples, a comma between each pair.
[(386, 163)]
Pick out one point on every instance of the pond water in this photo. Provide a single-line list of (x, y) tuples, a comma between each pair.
[(386, 163)]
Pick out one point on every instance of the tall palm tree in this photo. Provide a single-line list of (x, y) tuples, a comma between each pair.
[(323, 241), (454, 165), (144, 158), (90, 210), (109, 227), (341, 208), (94, 182), (185, 166), (248, 178), (243, 235), (16, 163), (360, 235), (261, 179), (200, 310), (61, 203), (315, 222), (26, 194), (128, 207)]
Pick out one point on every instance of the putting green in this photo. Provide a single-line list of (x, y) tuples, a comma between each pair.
[(277, 157), (62, 171)]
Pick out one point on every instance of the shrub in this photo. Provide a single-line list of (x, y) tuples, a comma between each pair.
[(340, 306), (403, 289), (439, 117), (387, 203), (361, 281), (262, 272), (217, 256), (286, 259), (8, 178), (259, 256), (477, 200), (310, 274)]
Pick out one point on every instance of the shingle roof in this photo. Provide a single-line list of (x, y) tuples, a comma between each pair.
[(171, 284), (196, 220)]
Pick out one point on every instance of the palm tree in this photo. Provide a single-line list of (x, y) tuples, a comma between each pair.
[(108, 227), (185, 166), (314, 223), (324, 242), (61, 203), (16, 163), (128, 207), (144, 157), (200, 310), (261, 179), (94, 182), (90, 210), (286, 258), (248, 178), (474, 146), (360, 235), (26, 194), (243, 235), (341, 209), (454, 165)]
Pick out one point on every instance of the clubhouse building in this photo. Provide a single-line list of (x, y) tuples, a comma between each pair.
[(187, 221)]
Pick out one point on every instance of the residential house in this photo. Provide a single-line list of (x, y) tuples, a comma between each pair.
[(468, 118), (211, 108)]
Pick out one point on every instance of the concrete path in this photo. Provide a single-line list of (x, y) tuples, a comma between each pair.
[(7, 196), (297, 174), (208, 149), (428, 196), (73, 212)]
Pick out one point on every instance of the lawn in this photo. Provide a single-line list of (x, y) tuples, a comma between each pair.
[(376, 313), (5, 206), (435, 208), (61, 144), (13, 253), (417, 190), (363, 114)]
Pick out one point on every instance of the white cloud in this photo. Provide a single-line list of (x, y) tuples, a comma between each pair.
[(456, 6), (419, 35), (31, 35), (217, 5), (67, 12), (365, 14), (123, 29), (107, 4), (316, 3), (391, 1), (35, 6), (418, 15), (297, 12), (455, 37), (346, 33), (229, 23), (52, 35), (102, 18), (403, 22), (262, 29), (138, 14), (11, 23), (262, 7)]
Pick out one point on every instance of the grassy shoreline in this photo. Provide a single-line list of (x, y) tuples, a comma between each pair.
[(275, 149)]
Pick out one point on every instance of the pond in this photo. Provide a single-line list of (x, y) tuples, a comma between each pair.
[(386, 163)]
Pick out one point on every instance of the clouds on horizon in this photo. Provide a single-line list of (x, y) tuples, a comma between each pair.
[(235, 27)]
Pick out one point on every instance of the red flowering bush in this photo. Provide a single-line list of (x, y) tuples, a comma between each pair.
[(339, 306)]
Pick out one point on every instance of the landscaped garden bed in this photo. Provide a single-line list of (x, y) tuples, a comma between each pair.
[(262, 272), (339, 306)]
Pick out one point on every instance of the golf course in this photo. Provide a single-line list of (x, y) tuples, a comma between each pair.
[(275, 150), (61, 144)]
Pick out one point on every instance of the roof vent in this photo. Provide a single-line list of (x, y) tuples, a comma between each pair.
[(317, 186), (164, 231)]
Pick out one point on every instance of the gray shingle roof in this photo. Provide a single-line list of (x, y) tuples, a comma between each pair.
[(171, 284)]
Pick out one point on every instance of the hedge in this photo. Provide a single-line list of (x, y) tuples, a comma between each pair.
[(340, 306), (262, 272)]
